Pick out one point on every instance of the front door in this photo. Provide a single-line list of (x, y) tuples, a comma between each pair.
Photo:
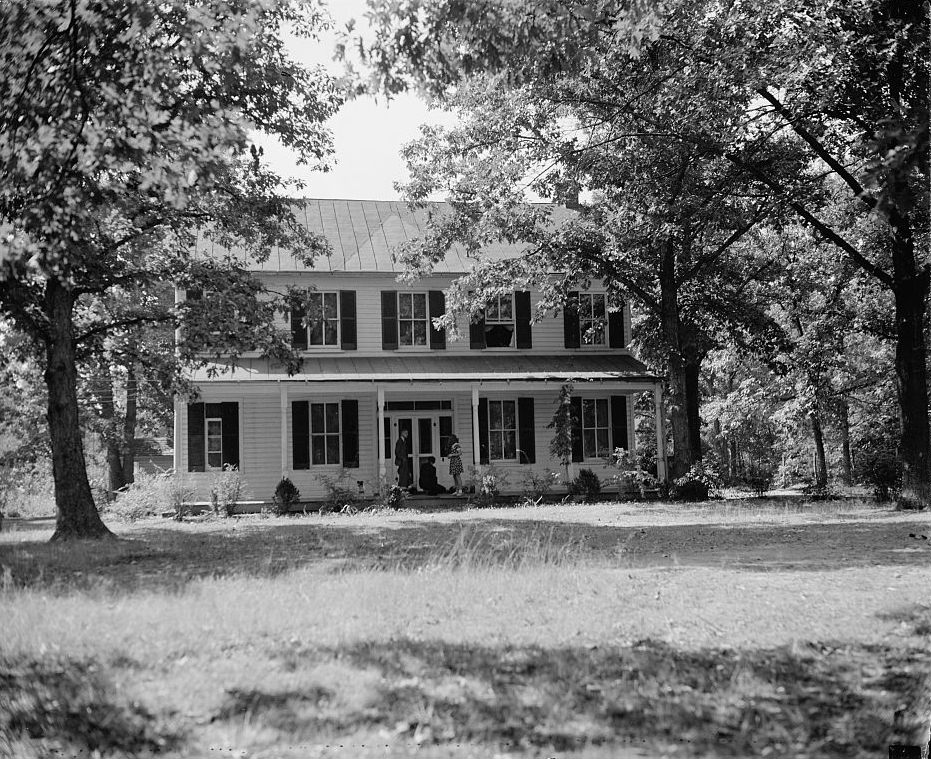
[(427, 437)]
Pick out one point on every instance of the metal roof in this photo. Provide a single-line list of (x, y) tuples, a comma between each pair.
[(410, 367), (363, 235)]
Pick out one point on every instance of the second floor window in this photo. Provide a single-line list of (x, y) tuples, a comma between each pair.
[(502, 430), (499, 322), (592, 318), (324, 433), (323, 319), (412, 319)]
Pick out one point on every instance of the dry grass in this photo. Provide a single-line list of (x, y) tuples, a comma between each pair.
[(589, 631)]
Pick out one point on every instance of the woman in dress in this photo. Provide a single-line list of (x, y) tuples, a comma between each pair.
[(455, 462)]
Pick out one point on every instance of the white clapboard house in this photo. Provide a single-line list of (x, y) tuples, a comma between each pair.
[(374, 364)]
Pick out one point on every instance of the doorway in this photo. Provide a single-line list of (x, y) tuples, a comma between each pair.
[(428, 437)]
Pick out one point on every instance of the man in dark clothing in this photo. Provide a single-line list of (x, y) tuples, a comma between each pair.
[(428, 481), (401, 462)]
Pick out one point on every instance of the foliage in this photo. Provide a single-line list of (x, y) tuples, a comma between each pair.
[(26, 489), (629, 475), (877, 464), (151, 494), (225, 490), (286, 494), (487, 481), (586, 484), (538, 485), (341, 490), (394, 497), (561, 424), (697, 484)]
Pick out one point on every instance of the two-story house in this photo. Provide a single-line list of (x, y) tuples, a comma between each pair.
[(374, 364)]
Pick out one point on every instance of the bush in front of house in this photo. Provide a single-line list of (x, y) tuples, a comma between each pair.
[(225, 491), (342, 491), (286, 495), (586, 484), (697, 484)]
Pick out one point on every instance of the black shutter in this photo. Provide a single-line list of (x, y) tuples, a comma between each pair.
[(619, 422), (616, 329), (300, 434), (522, 319), (349, 424), (347, 320), (437, 309), (477, 332), (526, 431), (196, 445), (298, 330), (578, 452), (229, 413), (570, 316), (483, 430), (389, 320)]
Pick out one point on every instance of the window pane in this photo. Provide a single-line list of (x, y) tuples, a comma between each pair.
[(598, 306), (314, 306), (331, 333), (316, 417), (329, 306), (601, 407), (506, 308), (420, 306), (494, 415), (588, 412), (420, 333), (588, 440), (510, 415), (510, 444), (214, 443), (406, 333), (214, 427), (316, 333), (603, 448), (318, 449), (332, 449), (598, 336), (491, 313), (215, 459), (404, 306), (495, 447), (332, 417)]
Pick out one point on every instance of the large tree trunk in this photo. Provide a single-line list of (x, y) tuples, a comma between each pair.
[(912, 384), (821, 466), (129, 425), (77, 514), (115, 479)]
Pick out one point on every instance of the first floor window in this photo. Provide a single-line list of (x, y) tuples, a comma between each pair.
[(502, 430), (214, 443), (499, 322), (323, 319), (592, 317), (595, 428), (324, 433), (412, 319)]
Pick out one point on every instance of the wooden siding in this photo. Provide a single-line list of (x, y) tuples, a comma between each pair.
[(260, 434)]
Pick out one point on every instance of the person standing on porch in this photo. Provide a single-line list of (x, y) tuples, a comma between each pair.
[(455, 462), (401, 462)]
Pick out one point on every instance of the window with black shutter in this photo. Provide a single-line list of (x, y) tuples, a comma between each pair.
[(619, 422), (437, 309), (347, 320), (522, 318), (616, 329), (350, 427), (300, 434), (526, 431), (213, 436), (570, 317), (389, 320)]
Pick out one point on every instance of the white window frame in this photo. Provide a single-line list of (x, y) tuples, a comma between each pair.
[(413, 320), (310, 322), (587, 319), (588, 455), (216, 437), (491, 320), (325, 433), (502, 430)]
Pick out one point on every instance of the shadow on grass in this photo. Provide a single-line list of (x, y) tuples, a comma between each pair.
[(167, 558), (67, 708), (811, 702)]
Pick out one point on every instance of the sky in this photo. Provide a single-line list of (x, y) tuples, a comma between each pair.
[(368, 135)]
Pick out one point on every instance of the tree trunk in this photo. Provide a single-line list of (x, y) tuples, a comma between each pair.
[(129, 425), (77, 514), (114, 468), (846, 457), (115, 479), (821, 468), (733, 462), (912, 386)]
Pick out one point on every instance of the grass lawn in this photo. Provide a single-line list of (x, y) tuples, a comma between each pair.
[(610, 630)]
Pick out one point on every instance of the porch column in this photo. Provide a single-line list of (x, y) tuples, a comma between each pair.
[(379, 439), (176, 436), (283, 388), (476, 443), (660, 433)]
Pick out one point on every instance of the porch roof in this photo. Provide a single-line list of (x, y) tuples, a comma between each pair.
[(413, 367)]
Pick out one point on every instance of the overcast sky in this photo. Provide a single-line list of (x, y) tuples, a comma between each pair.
[(368, 135)]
